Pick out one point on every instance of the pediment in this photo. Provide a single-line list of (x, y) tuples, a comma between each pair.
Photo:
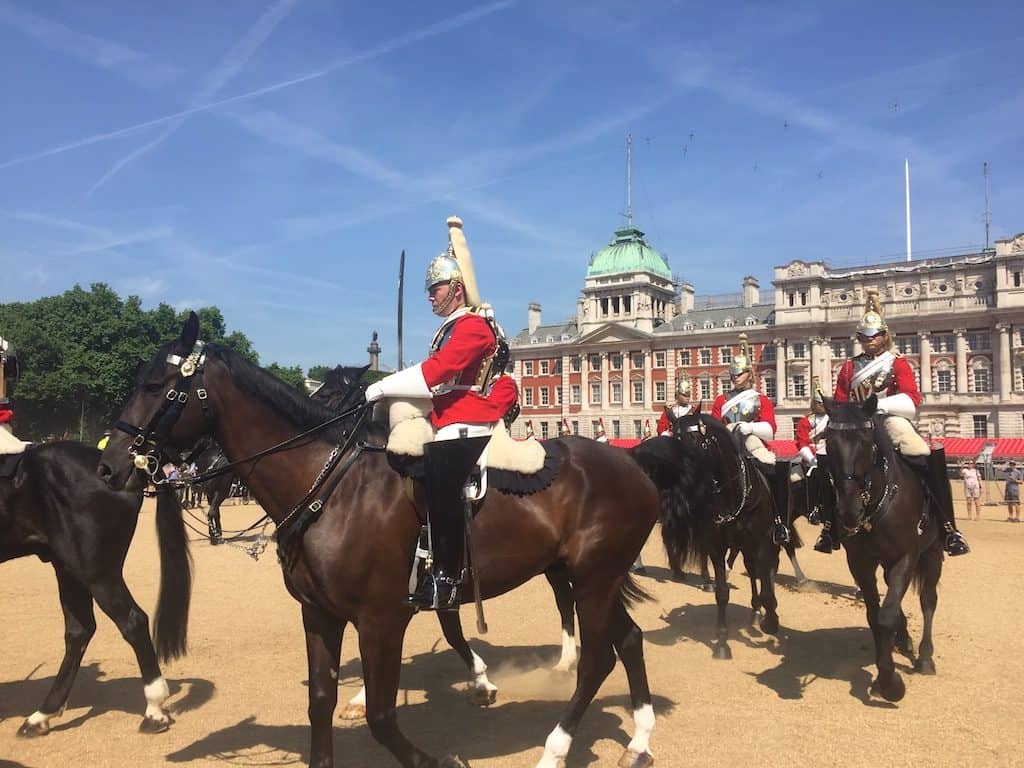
[(611, 332)]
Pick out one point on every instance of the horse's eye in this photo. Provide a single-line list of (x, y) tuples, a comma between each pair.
[(153, 387)]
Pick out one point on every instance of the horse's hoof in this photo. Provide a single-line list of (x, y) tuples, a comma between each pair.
[(707, 587), (802, 581), (353, 712), (722, 652), (631, 759), (33, 730), (154, 725), (770, 624), (451, 761), (893, 691), (924, 666), (484, 697)]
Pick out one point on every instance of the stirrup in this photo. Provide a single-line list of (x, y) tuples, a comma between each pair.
[(814, 516), (824, 544), (780, 534), (956, 544)]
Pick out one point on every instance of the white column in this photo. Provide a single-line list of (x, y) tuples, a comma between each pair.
[(926, 362), (648, 402), (606, 395), (781, 388), (1005, 368), (961, 360)]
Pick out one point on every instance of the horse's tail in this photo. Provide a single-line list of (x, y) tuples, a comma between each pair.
[(672, 465), (170, 622), (631, 593)]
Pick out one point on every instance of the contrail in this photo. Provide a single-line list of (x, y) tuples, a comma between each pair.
[(434, 29)]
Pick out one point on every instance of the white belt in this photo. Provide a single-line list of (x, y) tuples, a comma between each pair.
[(451, 432)]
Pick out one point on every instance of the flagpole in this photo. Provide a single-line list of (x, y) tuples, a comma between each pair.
[(906, 170)]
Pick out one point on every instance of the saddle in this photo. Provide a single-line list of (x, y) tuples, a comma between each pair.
[(519, 467), (9, 464)]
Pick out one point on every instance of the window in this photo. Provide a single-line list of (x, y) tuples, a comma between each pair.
[(768, 353), (615, 361), (638, 391), (799, 386), (576, 363), (724, 384), (638, 429), (803, 298), (705, 388), (688, 326), (659, 359), (708, 325), (595, 428), (684, 354), (545, 396), (980, 426), (636, 360), (616, 429), (558, 395), (768, 387), (534, 340), (979, 341), (791, 298), (842, 349), (595, 393), (575, 427), (750, 320), (944, 381), (982, 380), (545, 367), (543, 430), (574, 394), (725, 354), (908, 345), (705, 357), (796, 423), (528, 396), (1016, 279), (659, 391), (616, 387), (595, 362), (557, 370), (549, 338), (528, 368), (799, 350), (943, 342)]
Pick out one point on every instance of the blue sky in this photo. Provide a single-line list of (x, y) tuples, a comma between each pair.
[(273, 157)]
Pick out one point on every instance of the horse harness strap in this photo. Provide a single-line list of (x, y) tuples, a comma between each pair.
[(742, 475)]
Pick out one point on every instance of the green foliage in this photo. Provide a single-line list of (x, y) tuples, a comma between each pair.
[(371, 377), (79, 352), (291, 375), (319, 371)]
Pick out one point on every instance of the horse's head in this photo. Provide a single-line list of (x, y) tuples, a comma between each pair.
[(853, 457), (163, 415), (342, 388)]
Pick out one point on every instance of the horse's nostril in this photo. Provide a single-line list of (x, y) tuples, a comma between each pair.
[(104, 472)]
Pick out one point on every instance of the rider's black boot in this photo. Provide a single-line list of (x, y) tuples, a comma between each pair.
[(825, 542), (213, 523), (937, 481), (448, 464), (780, 493)]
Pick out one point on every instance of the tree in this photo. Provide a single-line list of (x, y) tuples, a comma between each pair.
[(291, 375), (79, 353)]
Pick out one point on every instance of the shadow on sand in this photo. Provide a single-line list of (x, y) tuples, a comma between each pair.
[(447, 722), (20, 698)]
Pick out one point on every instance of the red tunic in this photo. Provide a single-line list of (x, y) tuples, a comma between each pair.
[(766, 410), (665, 422), (902, 382), (470, 341), (803, 434), (6, 414)]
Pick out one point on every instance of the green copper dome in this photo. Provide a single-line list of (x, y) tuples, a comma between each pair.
[(628, 252)]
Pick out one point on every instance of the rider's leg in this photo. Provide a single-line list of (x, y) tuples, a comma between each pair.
[(448, 464), (780, 493), (931, 465)]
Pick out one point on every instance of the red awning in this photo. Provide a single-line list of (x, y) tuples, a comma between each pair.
[(1009, 448), (961, 447)]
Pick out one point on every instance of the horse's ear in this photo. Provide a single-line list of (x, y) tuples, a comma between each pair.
[(190, 331), (830, 405), (870, 405), (697, 409)]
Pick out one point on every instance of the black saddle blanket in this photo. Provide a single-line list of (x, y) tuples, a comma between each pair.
[(9, 464)]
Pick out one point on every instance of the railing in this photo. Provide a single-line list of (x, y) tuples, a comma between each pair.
[(915, 306)]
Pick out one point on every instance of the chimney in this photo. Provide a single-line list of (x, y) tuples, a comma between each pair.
[(686, 298), (533, 317), (751, 291)]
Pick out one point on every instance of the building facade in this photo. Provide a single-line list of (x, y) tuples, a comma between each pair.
[(958, 320)]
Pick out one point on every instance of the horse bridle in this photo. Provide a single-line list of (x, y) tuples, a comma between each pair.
[(704, 442), (868, 510), (149, 444)]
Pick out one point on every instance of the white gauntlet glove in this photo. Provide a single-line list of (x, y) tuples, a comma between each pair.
[(405, 383)]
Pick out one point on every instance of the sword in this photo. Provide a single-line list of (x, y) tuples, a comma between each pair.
[(401, 287), (481, 623)]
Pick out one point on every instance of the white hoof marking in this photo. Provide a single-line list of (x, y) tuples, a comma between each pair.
[(643, 720), (555, 748)]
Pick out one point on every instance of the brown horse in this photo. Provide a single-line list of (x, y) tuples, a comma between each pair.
[(353, 563), (883, 513)]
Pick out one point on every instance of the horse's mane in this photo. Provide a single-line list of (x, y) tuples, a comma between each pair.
[(303, 412), (853, 413)]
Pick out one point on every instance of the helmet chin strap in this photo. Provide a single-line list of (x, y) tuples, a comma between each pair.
[(441, 310)]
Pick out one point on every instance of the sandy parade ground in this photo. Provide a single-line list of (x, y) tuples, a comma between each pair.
[(239, 697)]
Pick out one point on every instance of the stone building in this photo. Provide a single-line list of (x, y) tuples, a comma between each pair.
[(959, 321)]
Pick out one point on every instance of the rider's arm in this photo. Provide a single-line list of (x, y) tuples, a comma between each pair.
[(842, 393), (897, 405), (471, 341)]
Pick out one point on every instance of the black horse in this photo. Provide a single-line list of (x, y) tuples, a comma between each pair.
[(56, 508), (883, 512), (351, 564), (738, 516)]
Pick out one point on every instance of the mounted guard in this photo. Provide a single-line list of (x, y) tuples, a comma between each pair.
[(747, 412), (682, 406), (882, 372), (469, 395)]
